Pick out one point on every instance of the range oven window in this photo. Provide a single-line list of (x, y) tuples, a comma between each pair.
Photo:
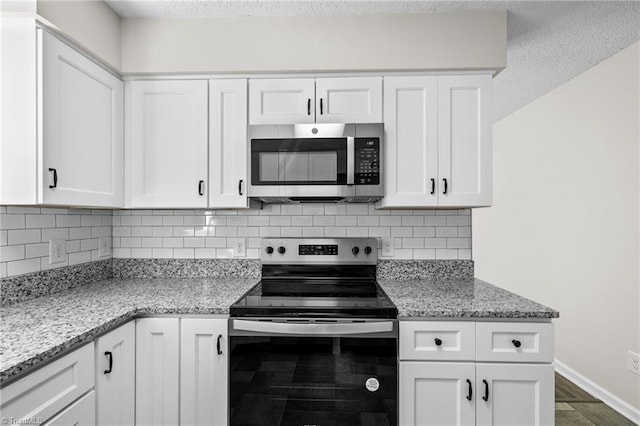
[(324, 381), (321, 161)]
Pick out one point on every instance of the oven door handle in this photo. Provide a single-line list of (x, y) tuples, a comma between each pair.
[(351, 160), (313, 328)]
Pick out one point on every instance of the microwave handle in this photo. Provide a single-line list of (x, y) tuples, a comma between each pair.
[(351, 160)]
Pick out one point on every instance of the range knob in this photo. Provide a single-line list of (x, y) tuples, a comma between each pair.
[(281, 250), (269, 249), (355, 251), (367, 250)]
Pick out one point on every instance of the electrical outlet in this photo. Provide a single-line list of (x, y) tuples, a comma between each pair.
[(57, 251), (388, 248), (239, 247), (633, 362), (104, 246)]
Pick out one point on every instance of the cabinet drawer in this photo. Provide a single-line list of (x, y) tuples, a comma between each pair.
[(80, 413), (426, 340), (514, 342), (51, 388)]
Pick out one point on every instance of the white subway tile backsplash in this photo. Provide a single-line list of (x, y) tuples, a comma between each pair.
[(40, 221), (23, 236), (202, 233), (9, 253), (57, 234), (12, 221)]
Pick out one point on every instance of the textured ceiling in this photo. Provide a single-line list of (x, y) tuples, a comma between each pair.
[(549, 42)]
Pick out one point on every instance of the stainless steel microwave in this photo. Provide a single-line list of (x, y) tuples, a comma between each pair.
[(316, 163)]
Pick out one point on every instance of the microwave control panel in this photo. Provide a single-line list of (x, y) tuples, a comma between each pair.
[(367, 161)]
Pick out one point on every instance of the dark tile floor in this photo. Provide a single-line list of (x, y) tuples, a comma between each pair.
[(575, 407)]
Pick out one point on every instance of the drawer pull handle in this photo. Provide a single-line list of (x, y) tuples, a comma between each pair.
[(201, 188), (516, 343), (438, 342), (446, 186), (486, 390), (110, 356), (309, 106), (433, 186), (470, 391), (218, 344)]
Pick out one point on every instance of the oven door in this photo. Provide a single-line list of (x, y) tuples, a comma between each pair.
[(323, 372), (302, 167)]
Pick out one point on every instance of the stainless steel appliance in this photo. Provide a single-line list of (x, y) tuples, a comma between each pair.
[(315, 342), (316, 162)]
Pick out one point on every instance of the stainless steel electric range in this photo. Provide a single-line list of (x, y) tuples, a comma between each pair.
[(315, 342)]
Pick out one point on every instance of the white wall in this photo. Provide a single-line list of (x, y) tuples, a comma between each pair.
[(564, 227), (90, 23), (452, 41)]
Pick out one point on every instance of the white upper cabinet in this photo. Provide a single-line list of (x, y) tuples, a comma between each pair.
[(228, 143), (321, 100), (349, 100), (281, 101), (411, 141), (464, 142), (166, 143), (438, 141), (81, 114)]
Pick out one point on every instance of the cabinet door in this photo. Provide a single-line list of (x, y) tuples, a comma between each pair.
[(157, 371), (80, 413), (411, 141), (349, 100), (204, 367), (82, 139), (516, 394), (115, 376), (166, 143), (281, 101), (464, 150), (436, 393), (228, 143)]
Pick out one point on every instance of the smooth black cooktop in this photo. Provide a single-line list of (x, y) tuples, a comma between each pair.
[(318, 298)]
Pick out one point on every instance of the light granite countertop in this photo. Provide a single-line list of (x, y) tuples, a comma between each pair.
[(35, 331), (459, 298)]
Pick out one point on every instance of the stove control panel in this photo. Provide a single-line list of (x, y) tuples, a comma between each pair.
[(319, 251)]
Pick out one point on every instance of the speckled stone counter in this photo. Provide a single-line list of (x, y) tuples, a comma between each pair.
[(37, 330), (34, 331), (470, 298)]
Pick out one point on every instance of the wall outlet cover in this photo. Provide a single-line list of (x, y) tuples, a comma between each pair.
[(388, 247), (239, 247), (57, 251), (104, 246), (633, 362)]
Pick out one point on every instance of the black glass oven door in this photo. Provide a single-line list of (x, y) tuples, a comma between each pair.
[(317, 161), (323, 381)]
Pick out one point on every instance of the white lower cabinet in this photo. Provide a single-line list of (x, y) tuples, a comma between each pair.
[(515, 394), (204, 372), (157, 371), (181, 371), (517, 388), (115, 376), (436, 393), (47, 391), (80, 413)]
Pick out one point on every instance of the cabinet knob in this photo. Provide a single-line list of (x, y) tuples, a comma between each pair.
[(516, 343), (438, 342)]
